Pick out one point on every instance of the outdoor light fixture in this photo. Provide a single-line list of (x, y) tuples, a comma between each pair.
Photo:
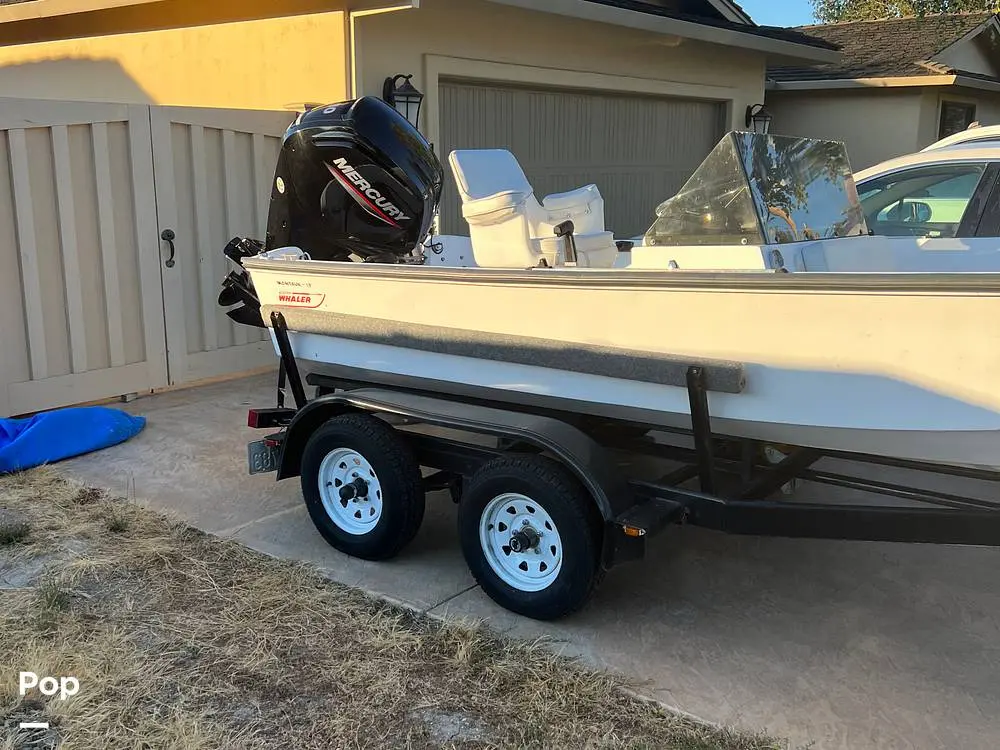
[(759, 118), (401, 94)]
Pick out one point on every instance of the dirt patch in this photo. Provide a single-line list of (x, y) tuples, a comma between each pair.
[(181, 640), (14, 527), (446, 727)]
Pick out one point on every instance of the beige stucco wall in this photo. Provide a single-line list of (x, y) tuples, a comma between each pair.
[(475, 39), (987, 105), (988, 109), (876, 125), (930, 116), (261, 64)]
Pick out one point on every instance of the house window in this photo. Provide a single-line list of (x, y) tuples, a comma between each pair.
[(955, 117)]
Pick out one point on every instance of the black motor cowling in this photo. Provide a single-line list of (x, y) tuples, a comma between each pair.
[(354, 178)]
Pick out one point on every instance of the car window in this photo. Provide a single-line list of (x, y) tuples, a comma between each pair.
[(925, 201)]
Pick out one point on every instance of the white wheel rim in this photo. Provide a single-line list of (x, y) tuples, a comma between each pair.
[(531, 569), (357, 509)]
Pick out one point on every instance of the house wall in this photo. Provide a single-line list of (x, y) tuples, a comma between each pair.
[(262, 64), (987, 108), (876, 125), (151, 16), (487, 40), (930, 115)]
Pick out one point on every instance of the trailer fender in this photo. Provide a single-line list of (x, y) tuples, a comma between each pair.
[(580, 453), (306, 421)]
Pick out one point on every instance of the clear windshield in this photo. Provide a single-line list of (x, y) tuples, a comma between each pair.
[(758, 189)]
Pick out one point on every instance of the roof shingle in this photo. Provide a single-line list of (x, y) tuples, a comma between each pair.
[(885, 48), (770, 32)]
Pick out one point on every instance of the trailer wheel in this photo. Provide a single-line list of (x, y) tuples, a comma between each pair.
[(531, 536), (362, 487)]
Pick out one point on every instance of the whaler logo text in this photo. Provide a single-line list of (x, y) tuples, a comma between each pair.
[(301, 300), (366, 196)]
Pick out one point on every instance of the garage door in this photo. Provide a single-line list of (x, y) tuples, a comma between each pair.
[(638, 150)]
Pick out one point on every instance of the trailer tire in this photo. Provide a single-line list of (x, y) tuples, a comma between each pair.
[(558, 570), (383, 513)]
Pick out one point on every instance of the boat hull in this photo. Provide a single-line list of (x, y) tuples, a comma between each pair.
[(901, 365)]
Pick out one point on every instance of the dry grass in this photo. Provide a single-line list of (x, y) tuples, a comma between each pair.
[(182, 641)]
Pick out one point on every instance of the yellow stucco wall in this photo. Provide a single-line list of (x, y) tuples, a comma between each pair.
[(151, 16), (407, 41), (263, 64)]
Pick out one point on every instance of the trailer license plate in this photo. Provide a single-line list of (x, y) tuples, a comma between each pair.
[(262, 458)]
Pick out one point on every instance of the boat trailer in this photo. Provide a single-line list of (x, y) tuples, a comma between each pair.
[(741, 487)]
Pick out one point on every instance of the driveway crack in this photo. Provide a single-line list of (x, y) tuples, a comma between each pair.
[(450, 598)]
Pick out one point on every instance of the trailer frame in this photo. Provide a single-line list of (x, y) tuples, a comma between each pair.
[(736, 485)]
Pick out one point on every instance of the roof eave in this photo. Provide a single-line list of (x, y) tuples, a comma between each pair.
[(774, 48), (887, 82), (39, 9), (971, 82), (48, 8), (884, 82)]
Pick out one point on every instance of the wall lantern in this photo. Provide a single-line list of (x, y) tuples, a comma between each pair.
[(401, 94), (758, 118)]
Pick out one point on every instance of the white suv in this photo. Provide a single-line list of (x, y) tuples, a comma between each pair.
[(946, 194), (974, 134)]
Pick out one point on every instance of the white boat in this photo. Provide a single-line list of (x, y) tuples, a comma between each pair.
[(886, 358)]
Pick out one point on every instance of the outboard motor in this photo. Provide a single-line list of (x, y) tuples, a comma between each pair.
[(354, 181), (354, 178)]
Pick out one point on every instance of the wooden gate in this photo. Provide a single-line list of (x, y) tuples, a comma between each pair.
[(89, 307), (213, 171), (81, 309)]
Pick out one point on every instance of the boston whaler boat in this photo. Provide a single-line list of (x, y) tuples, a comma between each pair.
[(734, 320)]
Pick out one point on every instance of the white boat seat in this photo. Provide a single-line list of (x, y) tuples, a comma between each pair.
[(585, 196), (510, 228), (481, 173), (498, 203)]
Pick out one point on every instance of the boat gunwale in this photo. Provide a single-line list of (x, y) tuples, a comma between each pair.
[(622, 278)]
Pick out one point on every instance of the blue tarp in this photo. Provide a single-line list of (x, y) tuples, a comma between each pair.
[(64, 433)]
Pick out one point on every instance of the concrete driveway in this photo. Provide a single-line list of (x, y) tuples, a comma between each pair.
[(842, 644)]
